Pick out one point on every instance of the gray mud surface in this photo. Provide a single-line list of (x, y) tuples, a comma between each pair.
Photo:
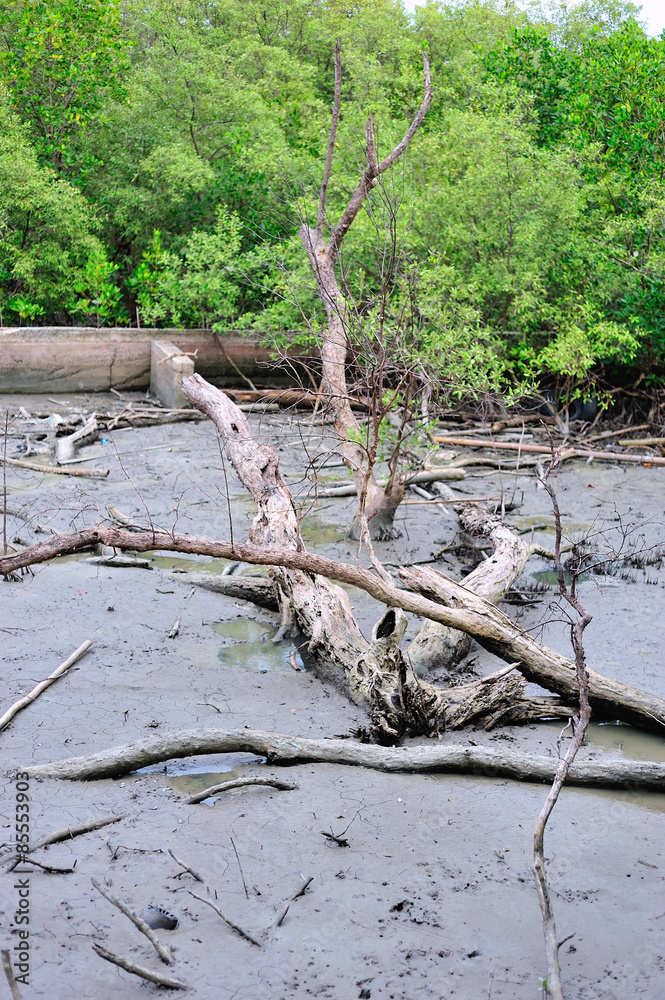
[(434, 896)]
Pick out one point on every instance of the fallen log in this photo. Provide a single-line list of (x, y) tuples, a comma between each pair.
[(258, 589), (279, 749), (604, 456)]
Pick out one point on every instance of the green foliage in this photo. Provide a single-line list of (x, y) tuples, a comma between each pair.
[(196, 285), (521, 239), (47, 237), (62, 60)]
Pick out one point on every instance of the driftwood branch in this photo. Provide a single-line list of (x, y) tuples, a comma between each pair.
[(287, 750), (43, 685), (138, 970), (226, 786), (164, 953), (604, 456)]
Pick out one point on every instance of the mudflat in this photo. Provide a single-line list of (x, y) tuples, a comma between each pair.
[(434, 894)]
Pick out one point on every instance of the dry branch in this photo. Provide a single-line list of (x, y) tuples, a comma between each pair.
[(43, 685), (56, 470), (67, 833), (226, 786), (161, 949), (606, 456), (280, 749), (138, 970), (227, 920)]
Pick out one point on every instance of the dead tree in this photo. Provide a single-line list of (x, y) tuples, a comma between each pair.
[(379, 504), (375, 674)]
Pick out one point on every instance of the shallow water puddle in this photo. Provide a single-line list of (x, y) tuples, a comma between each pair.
[(249, 645), (315, 532), (179, 564), (192, 774)]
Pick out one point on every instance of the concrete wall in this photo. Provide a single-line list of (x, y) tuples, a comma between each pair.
[(70, 359)]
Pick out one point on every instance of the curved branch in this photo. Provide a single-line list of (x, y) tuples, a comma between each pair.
[(286, 750)]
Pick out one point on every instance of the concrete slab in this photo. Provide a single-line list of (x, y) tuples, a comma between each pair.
[(167, 366)]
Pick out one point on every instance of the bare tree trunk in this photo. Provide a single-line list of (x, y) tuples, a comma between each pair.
[(378, 504)]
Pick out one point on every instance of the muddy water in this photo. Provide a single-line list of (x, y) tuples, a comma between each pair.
[(434, 896)]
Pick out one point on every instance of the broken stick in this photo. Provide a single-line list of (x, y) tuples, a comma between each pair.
[(9, 973), (161, 949), (35, 693), (178, 861), (138, 970), (235, 927)]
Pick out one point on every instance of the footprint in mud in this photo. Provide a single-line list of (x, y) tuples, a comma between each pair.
[(249, 644)]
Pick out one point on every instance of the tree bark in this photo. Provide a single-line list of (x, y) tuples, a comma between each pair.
[(438, 648), (289, 750)]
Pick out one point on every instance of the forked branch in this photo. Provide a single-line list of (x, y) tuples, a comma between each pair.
[(337, 103), (375, 169)]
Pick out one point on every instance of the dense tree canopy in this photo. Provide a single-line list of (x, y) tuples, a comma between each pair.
[(157, 158)]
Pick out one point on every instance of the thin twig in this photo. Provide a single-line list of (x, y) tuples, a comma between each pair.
[(227, 920), (178, 861), (242, 876), (43, 685), (554, 986), (138, 970), (48, 868), (285, 909), (162, 950)]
